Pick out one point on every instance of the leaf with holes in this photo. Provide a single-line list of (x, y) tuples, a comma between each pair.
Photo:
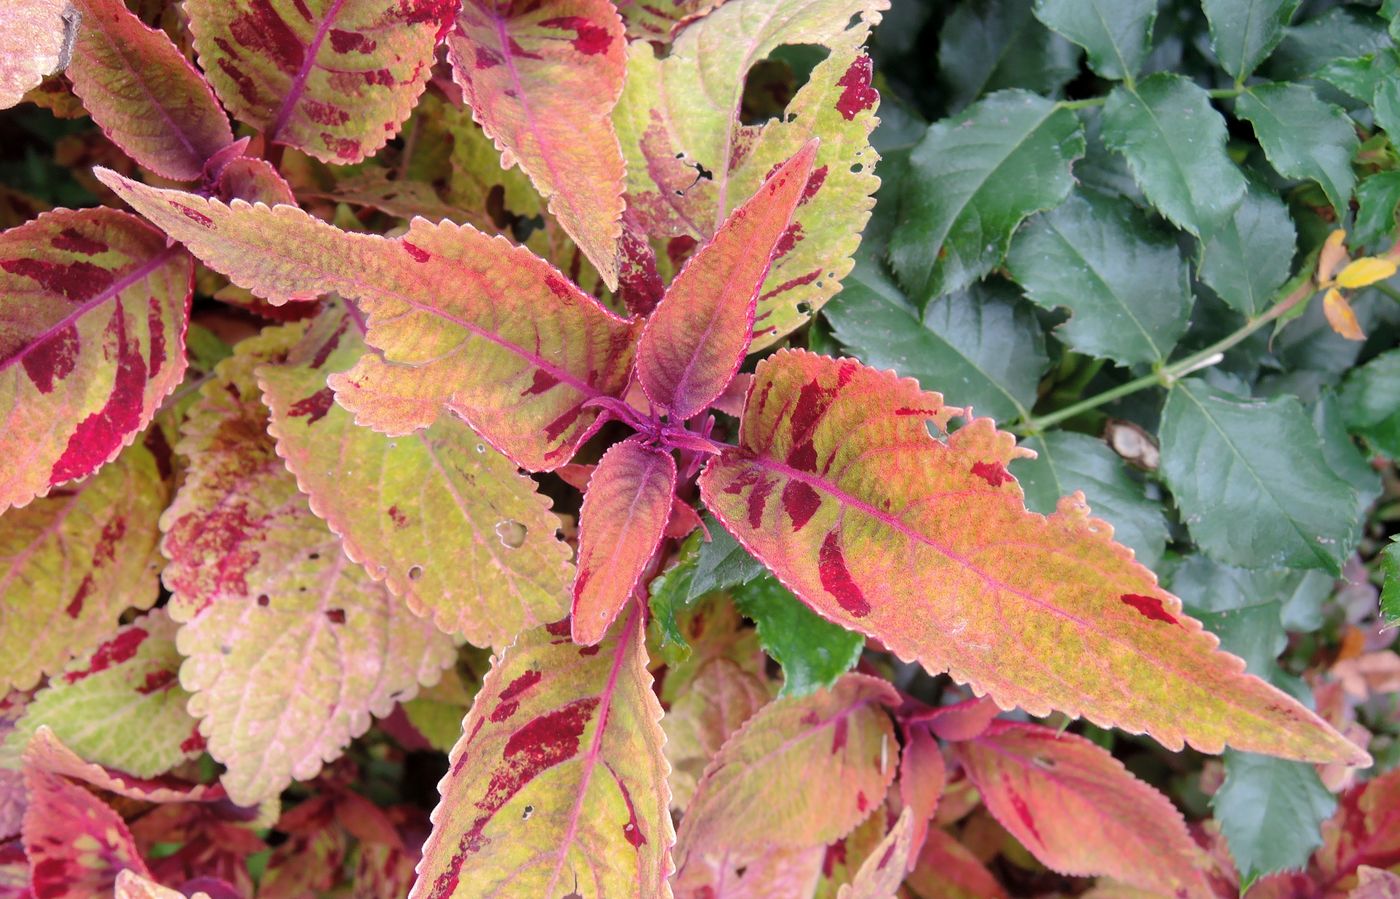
[(757, 791), (34, 42), (925, 545), (1078, 810), (463, 321), (73, 562), (289, 646), (559, 780), (521, 67), (148, 99), (92, 338), (401, 504), (333, 78)]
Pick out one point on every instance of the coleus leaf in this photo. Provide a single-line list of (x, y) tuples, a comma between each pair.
[(148, 99), (131, 885), (74, 561), (882, 872), (120, 705), (501, 567), (754, 874), (721, 697), (289, 646), (559, 780), (465, 322), (922, 777), (33, 44), (335, 78), (521, 67), (946, 869), (92, 338), (836, 477), (46, 751), (624, 514), (757, 791), (698, 336), (1364, 831), (1078, 810)]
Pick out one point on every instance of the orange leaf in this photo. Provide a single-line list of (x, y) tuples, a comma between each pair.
[(1341, 316), (624, 513), (926, 545)]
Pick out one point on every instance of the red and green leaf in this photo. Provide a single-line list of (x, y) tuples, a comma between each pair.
[(559, 783), (465, 322), (542, 79), (720, 698), (1364, 831), (698, 336), (882, 872), (444, 520), (92, 338), (148, 99), (624, 514), (32, 45), (926, 545), (334, 78)]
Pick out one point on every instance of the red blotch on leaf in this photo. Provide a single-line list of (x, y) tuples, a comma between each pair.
[(75, 281), (102, 432), (261, 29), (350, 42), (814, 184), (630, 831), (993, 473), (592, 39), (398, 518), (194, 742), (75, 606), (836, 577), (115, 651), (52, 359), (155, 681), (838, 737), (800, 502), (1149, 606), (193, 215), (72, 241), (858, 94), (335, 616), (1022, 811), (314, 407), (542, 381)]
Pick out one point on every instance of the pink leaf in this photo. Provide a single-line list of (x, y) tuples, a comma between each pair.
[(922, 776), (33, 43)]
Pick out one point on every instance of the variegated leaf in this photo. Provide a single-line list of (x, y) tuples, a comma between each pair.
[(334, 78), (659, 22), (882, 872), (946, 869), (558, 786), (92, 338), (148, 99), (689, 161), (464, 321), (131, 885), (120, 705), (922, 777), (757, 792), (12, 795), (522, 66), (289, 646), (444, 520), (46, 751), (73, 562), (624, 514), (926, 545), (716, 703), (755, 874), (34, 43)]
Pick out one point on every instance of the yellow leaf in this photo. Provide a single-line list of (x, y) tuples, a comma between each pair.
[(1341, 316), (1366, 271)]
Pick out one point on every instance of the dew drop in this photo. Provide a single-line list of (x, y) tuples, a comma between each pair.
[(415, 572), (511, 532)]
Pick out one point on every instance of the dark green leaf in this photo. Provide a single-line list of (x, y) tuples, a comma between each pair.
[(721, 564), (1251, 482), (1303, 137), (1371, 402), (1174, 141), (1343, 32), (1121, 277), (1390, 591), (1066, 462), (981, 347), (1359, 77), (1386, 105), (1116, 33), (1271, 812), (1248, 258), (812, 651), (1244, 32), (1341, 453), (1378, 199), (998, 44), (972, 179), (1101, 169)]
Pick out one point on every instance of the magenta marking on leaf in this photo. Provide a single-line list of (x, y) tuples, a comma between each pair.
[(314, 407), (155, 328), (247, 88), (561, 424), (835, 855), (1149, 606), (75, 606), (351, 42), (157, 681), (799, 281), (325, 113), (193, 215), (486, 58), (838, 737), (862, 804), (102, 432), (303, 63), (592, 39), (115, 651), (261, 29), (791, 238), (858, 95), (631, 831), (994, 473), (398, 518), (836, 577), (72, 241), (106, 549), (1022, 811), (335, 616), (74, 280), (52, 359), (510, 695), (814, 184), (194, 742), (542, 382), (800, 502), (757, 499)]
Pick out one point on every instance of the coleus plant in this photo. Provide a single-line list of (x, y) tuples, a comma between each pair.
[(346, 499)]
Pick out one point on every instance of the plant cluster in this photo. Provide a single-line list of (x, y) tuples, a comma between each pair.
[(544, 401)]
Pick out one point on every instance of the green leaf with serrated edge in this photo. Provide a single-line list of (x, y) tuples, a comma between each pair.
[(1370, 402), (757, 789), (925, 545), (670, 592), (1174, 142), (1390, 590), (1214, 589), (1244, 32), (559, 779), (465, 322), (720, 698), (1116, 33), (289, 646), (1341, 452), (333, 78), (1270, 812), (813, 652), (1251, 482), (1303, 137), (91, 341), (74, 561), (147, 98), (1121, 277), (120, 705), (1378, 200), (679, 116), (1066, 462), (444, 520), (982, 344), (996, 45), (721, 563), (1247, 259), (1342, 32), (1385, 105), (973, 178)]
